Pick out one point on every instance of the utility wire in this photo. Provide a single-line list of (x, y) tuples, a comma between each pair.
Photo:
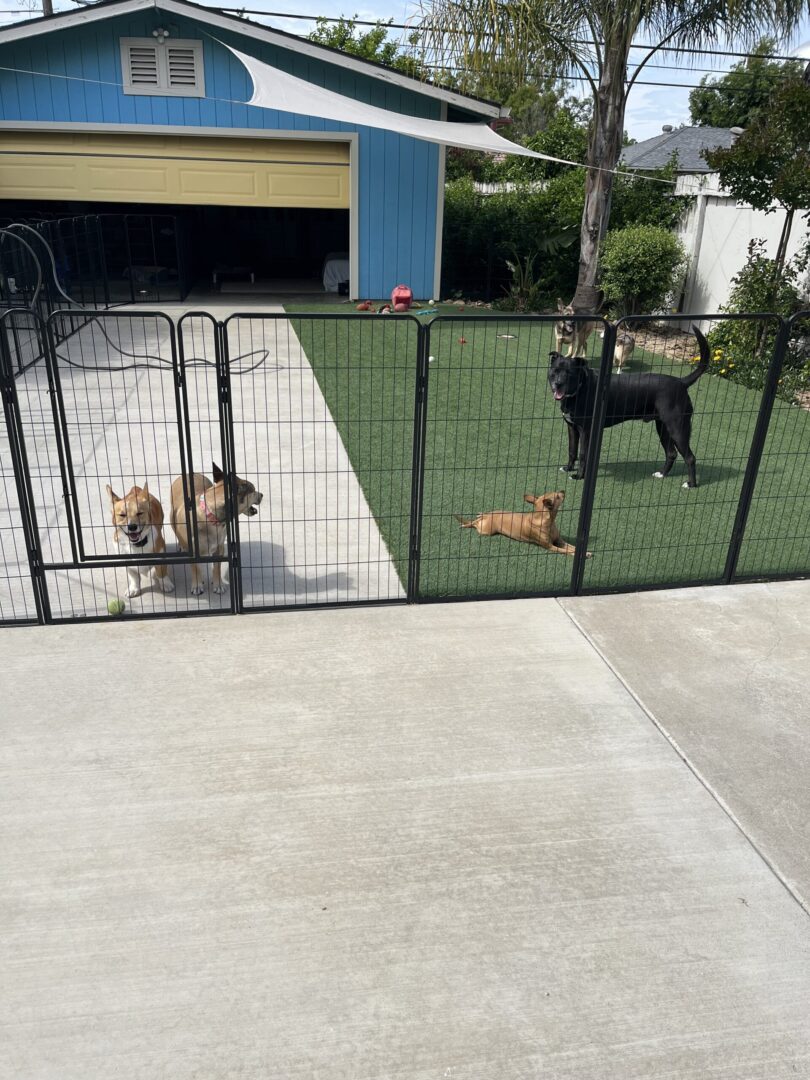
[(437, 67), (692, 50), (414, 28)]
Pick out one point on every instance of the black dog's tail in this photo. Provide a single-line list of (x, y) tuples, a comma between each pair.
[(703, 366)]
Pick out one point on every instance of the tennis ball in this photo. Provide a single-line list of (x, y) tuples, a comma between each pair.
[(116, 607)]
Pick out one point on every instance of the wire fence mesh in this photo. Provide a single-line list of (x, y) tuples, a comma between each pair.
[(494, 435), (292, 459), (323, 416), (776, 542), (646, 529)]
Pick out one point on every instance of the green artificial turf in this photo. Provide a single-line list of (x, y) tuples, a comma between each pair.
[(494, 432)]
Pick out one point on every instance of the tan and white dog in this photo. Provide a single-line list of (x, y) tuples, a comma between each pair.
[(138, 522), (209, 506), (568, 331), (625, 344)]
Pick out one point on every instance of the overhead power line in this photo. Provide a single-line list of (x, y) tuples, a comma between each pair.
[(412, 27), (686, 49)]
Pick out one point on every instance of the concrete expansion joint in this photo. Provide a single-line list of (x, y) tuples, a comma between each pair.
[(803, 903)]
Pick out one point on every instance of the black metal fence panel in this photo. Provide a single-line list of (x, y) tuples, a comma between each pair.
[(495, 435), (360, 458), (18, 585), (322, 413), (103, 426), (776, 539), (94, 261), (647, 529)]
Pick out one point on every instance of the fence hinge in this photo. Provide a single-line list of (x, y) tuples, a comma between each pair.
[(178, 379), (224, 397), (8, 394)]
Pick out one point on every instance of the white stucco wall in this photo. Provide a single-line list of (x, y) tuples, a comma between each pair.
[(716, 232)]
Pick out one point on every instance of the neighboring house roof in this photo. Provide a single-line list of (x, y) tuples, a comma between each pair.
[(108, 9), (686, 142)]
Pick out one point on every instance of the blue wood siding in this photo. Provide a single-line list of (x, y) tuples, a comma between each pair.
[(397, 175)]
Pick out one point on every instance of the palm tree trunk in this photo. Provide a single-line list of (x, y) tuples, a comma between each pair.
[(783, 243), (604, 148)]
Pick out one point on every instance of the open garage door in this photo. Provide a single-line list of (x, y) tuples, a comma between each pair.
[(220, 171)]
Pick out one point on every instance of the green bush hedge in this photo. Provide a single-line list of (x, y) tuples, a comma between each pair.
[(641, 268)]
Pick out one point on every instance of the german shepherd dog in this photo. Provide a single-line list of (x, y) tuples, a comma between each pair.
[(643, 396), (568, 331)]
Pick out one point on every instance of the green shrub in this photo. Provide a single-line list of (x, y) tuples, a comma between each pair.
[(742, 350), (483, 232), (641, 267)]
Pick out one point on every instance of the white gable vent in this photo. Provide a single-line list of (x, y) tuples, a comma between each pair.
[(162, 67)]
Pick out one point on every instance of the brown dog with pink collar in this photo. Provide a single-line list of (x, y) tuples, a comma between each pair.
[(209, 506)]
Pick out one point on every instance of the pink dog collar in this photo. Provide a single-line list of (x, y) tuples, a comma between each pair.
[(212, 518)]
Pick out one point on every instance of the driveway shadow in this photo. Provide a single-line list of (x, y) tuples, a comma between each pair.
[(268, 580)]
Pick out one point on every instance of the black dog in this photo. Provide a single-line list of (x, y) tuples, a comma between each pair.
[(644, 396)]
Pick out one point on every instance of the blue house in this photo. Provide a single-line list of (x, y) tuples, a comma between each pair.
[(137, 106)]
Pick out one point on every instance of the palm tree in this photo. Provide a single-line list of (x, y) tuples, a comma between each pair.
[(592, 38)]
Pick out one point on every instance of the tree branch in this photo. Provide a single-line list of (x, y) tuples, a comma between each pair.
[(667, 37)]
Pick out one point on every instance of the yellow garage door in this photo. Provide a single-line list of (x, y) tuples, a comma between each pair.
[(175, 169)]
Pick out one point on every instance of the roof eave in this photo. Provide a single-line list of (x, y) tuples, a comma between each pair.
[(97, 12)]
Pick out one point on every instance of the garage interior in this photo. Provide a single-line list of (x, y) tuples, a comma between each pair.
[(160, 218), (206, 250)]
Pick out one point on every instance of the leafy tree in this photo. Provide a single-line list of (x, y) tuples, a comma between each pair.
[(473, 164), (564, 136), (738, 97), (593, 38), (769, 164), (532, 102), (638, 200), (372, 44)]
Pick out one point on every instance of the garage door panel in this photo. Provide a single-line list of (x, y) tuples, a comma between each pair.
[(118, 181), (19, 178), (166, 169), (218, 183), (307, 186)]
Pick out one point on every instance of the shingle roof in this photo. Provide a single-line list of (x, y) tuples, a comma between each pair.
[(686, 142)]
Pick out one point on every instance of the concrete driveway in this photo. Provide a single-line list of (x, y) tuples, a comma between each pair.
[(442, 841)]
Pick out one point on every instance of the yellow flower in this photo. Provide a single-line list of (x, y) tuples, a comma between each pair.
[(731, 365), (722, 371)]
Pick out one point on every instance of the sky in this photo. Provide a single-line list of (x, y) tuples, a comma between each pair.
[(649, 107)]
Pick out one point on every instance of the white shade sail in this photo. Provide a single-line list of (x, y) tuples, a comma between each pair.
[(275, 89)]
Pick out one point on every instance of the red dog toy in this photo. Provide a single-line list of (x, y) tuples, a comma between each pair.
[(401, 298)]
